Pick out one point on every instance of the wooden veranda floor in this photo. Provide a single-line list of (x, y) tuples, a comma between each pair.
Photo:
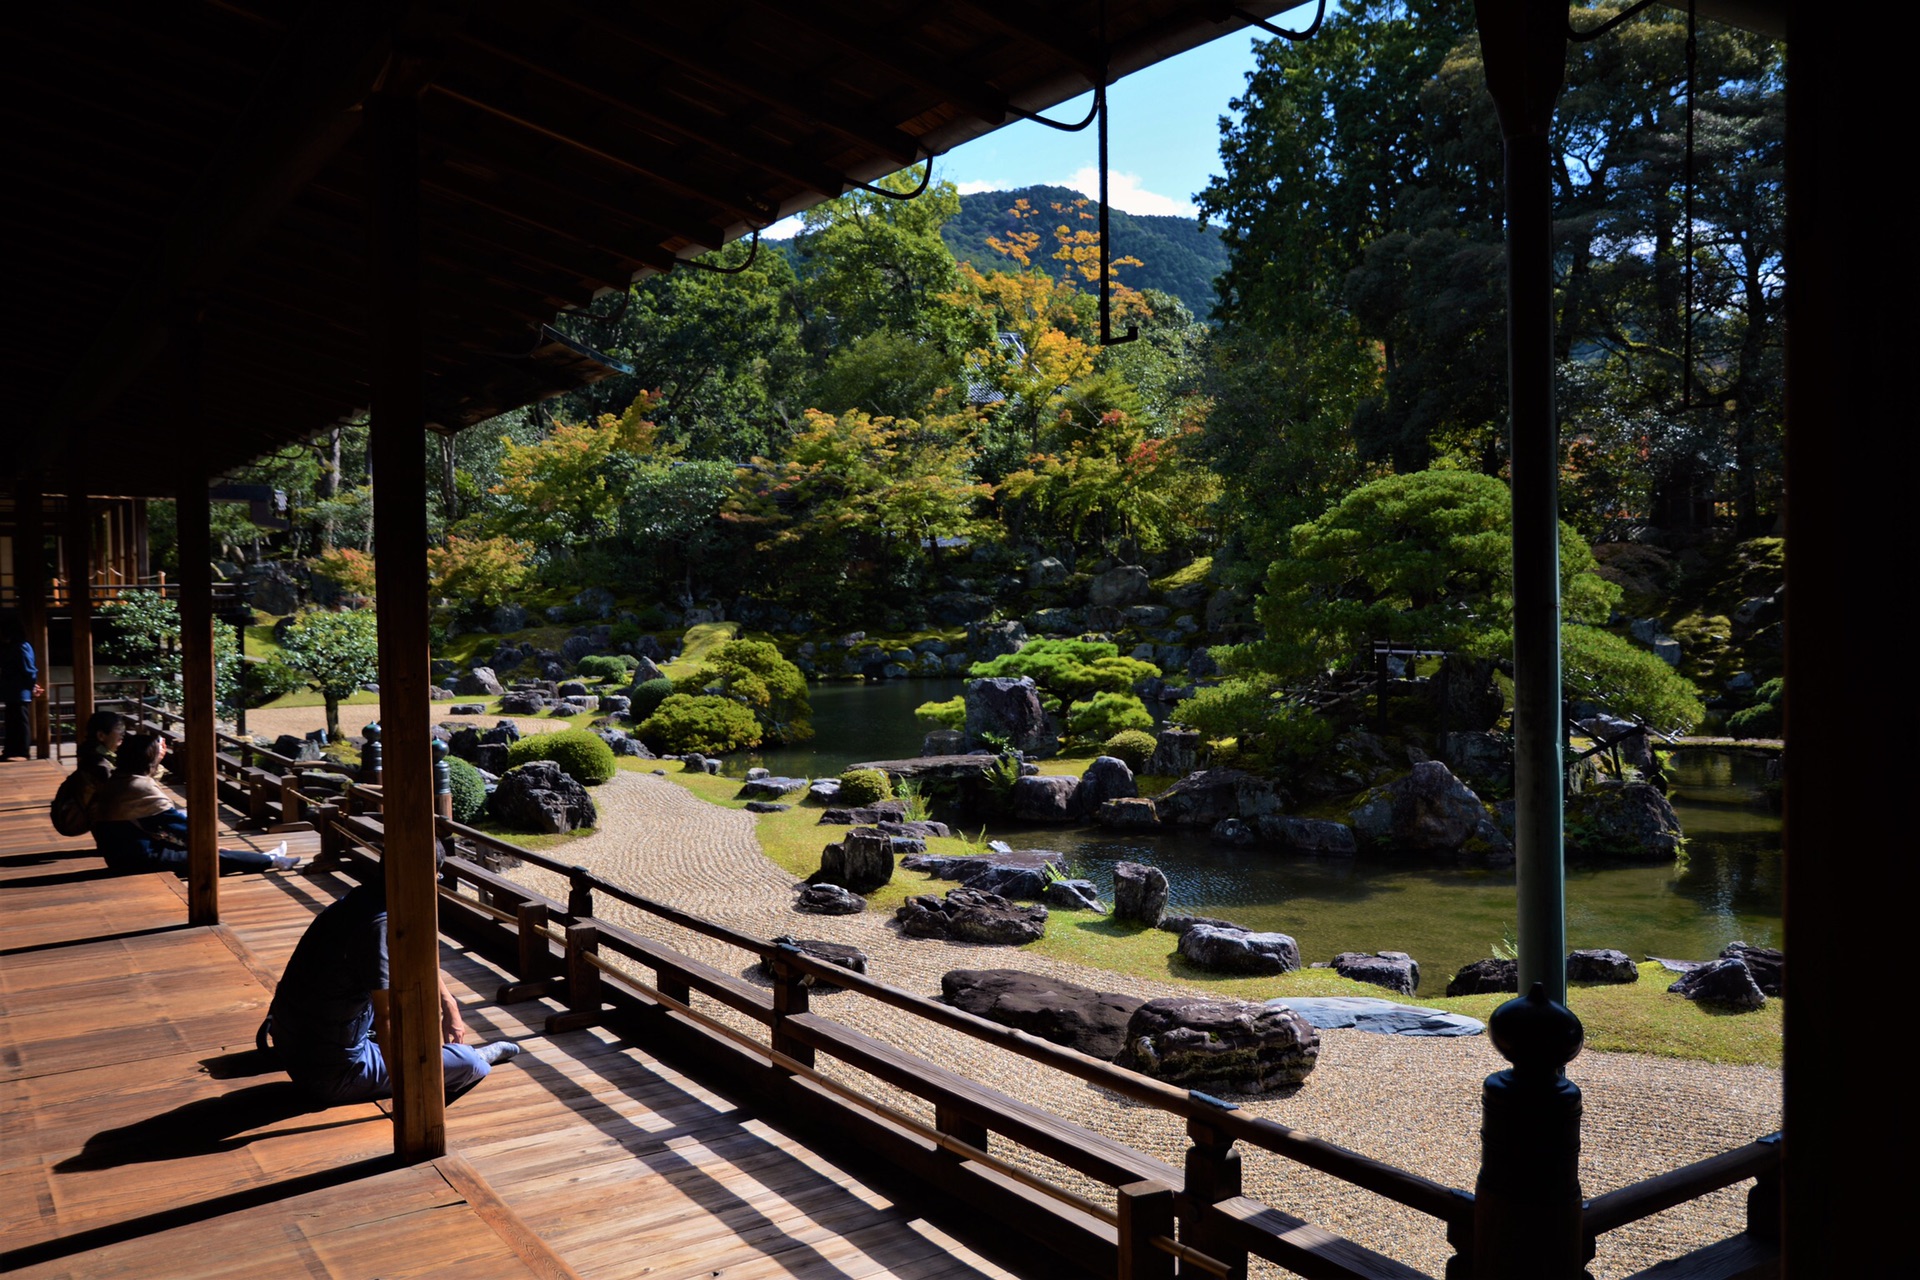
[(143, 1137)]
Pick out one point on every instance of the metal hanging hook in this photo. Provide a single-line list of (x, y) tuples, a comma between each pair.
[(926, 178), (752, 254), (1307, 33)]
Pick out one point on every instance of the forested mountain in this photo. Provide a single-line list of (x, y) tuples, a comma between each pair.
[(1178, 255)]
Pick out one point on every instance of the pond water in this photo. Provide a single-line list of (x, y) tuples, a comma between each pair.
[(1727, 888)]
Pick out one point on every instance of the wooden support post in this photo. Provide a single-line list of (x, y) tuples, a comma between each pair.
[(30, 578), (535, 956), (789, 998), (1524, 43), (580, 893), (79, 566), (1763, 1204), (956, 1124), (1527, 1204), (257, 801), (202, 784), (324, 818), (400, 584), (1213, 1175), (583, 980), (1146, 1211)]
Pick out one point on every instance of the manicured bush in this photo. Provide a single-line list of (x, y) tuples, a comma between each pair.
[(607, 666), (699, 722), (1765, 718), (1105, 714), (581, 754), (1070, 668), (754, 674), (469, 789), (864, 786), (647, 697), (1133, 747), (951, 714)]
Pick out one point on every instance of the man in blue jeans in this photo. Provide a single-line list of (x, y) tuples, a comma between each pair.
[(323, 1021)]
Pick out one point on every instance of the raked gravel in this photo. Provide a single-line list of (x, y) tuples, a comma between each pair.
[(1412, 1102)]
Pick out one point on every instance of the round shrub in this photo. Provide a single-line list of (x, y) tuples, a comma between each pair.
[(951, 714), (581, 754), (648, 695), (1105, 714), (606, 666), (864, 786), (268, 680), (698, 722), (469, 789), (1133, 747)]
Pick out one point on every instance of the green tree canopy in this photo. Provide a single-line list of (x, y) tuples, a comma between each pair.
[(336, 652), (753, 674), (142, 642)]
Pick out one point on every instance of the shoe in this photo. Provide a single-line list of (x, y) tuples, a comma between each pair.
[(498, 1052), (282, 860)]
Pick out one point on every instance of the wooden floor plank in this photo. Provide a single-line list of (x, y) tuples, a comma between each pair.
[(131, 1101)]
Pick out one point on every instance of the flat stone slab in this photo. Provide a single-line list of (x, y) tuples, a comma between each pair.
[(934, 768), (967, 866), (1364, 1013)]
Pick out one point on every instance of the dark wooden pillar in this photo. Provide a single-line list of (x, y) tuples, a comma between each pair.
[(1849, 447), (1525, 48), (400, 548), (79, 566), (30, 580), (201, 786)]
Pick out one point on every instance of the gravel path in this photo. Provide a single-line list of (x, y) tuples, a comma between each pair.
[(1411, 1102)]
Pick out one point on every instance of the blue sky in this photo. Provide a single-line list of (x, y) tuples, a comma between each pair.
[(1163, 138)]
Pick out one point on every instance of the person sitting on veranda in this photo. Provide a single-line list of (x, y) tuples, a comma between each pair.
[(328, 1029), (105, 731), (138, 827)]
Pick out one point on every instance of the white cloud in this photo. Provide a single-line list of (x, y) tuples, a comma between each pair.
[(1127, 195), (976, 186)]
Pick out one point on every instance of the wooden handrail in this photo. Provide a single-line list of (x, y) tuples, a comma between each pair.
[(1643, 1199)]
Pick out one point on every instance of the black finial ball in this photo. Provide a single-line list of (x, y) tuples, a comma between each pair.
[(372, 732), (1535, 1032), (440, 749)]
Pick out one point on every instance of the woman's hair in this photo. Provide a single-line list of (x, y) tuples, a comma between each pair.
[(103, 722), (139, 753)]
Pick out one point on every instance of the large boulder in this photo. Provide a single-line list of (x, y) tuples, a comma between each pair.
[(1074, 895), (861, 861), (1395, 970), (1725, 984), (993, 639), (1319, 836), (1220, 1046), (967, 915), (770, 788), (1139, 893), (1127, 584), (539, 796), (272, 588), (1128, 814), (1601, 965), (1009, 709), (1629, 820), (865, 815), (1485, 977), (1047, 571), (1176, 754), (1768, 965), (1107, 778), (1427, 811), (479, 682), (1220, 950), (842, 954), (1482, 759), (1382, 1017), (828, 900), (1094, 1022), (967, 867), (1201, 799), (943, 742), (1045, 799), (522, 702)]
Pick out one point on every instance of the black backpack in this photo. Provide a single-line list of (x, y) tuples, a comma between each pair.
[(73, 803)]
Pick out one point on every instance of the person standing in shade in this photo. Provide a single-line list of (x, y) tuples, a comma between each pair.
[(326, 1025), (19, 685)]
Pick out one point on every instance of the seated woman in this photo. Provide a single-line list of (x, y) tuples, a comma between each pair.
[(138, 827), (105, 731)]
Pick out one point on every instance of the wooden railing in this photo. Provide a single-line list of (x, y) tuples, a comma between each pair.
[(600, 971)]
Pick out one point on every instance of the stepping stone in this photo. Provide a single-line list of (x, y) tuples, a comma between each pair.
[(1364, 1013)]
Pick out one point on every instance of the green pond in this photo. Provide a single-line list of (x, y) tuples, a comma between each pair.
[(1444, 914)]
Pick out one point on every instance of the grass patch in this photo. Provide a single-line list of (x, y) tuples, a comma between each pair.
[(1189, 575), (532, 841), (311, 698)]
